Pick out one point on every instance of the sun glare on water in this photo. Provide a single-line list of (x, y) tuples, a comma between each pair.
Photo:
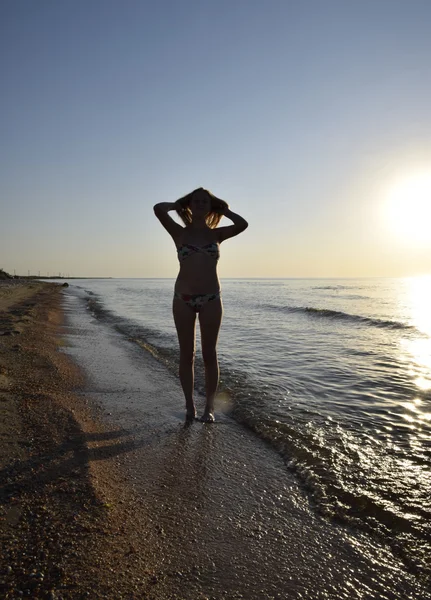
[(418, 301), (408, 209)]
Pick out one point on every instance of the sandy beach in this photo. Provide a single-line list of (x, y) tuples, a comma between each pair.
[(106, 493), (62, 530)]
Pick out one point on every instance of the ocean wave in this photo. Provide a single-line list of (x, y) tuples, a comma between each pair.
[(336, 287), (343, 316), (331, 470), (97, 307)]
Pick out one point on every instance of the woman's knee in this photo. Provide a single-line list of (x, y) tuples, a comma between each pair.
[(209, 357), (187, 357)]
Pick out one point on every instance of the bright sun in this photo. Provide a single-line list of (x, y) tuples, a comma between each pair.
[(408, 209)]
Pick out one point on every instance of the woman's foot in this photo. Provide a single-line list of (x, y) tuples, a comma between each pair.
[(208, 417), (191, 414)]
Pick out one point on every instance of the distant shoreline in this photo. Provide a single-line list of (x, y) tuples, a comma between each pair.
[(37, 278)]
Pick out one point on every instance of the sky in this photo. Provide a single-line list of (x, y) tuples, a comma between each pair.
[(309, 118)]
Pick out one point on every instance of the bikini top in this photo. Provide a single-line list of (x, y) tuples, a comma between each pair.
[(187, 250)]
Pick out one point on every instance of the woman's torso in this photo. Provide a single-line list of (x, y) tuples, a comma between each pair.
[(198, 252)]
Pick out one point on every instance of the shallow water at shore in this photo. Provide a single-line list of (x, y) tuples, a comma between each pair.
[(335, 374), (232, 520)]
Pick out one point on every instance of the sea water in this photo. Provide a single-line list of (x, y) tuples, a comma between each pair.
[(334, 374)]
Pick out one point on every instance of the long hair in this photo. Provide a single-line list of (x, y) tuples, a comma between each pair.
[(213, 217)]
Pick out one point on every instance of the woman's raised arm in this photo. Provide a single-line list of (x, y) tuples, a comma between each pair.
[(239, 225), (161, 211)]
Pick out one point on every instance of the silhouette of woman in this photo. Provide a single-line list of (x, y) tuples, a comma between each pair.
[(197, 288)]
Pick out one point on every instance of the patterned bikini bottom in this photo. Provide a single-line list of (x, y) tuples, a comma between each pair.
[(196, 301)]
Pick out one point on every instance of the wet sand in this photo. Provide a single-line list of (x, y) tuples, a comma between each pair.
[(106, 493)]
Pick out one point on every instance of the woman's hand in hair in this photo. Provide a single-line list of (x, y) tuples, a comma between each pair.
[(220, 206)]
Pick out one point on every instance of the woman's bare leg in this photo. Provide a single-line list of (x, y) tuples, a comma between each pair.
[(210, 317), (185, 322)]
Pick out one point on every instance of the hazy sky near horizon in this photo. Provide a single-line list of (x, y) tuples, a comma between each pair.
[(304, 116)]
